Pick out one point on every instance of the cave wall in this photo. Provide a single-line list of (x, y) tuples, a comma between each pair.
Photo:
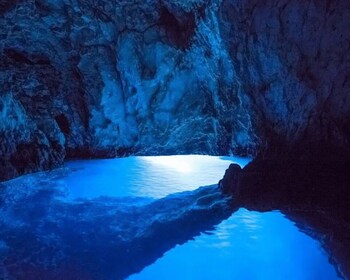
[(102, 78), (293, 60)]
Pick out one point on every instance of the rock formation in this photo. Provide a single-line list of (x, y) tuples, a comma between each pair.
[(314, 194), (104, 78)]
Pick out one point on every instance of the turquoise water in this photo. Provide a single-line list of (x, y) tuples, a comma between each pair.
[(114, 219), (247, 246), (153, 177)]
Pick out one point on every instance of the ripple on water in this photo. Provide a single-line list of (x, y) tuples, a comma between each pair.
[(88, 211)]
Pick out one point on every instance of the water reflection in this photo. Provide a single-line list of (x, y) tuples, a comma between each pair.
[(153, 177), (108, 219), (248, 245)]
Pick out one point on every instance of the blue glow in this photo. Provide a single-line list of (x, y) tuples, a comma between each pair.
[(113, 218), (153, 177), (248, 246)]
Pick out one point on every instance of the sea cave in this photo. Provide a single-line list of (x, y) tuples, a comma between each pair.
[(174, 139)]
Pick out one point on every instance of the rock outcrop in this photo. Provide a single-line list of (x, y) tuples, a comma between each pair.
[(292, 59), (103, 78), (314, 194)]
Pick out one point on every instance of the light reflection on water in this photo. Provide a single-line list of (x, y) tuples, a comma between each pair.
[(249, 246), (153, 177)]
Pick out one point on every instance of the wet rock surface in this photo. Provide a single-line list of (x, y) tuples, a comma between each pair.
[(100, 79)]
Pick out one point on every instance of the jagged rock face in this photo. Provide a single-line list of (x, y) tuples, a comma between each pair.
[(104, 78), (292, 58)]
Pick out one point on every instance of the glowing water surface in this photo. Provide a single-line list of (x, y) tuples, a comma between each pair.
[(88, 210), (247, 246), (153, 177)]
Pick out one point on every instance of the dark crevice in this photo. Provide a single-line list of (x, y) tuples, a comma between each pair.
[(63, 124), (7, 5), (179, 31), (21, 57), (43, 8)]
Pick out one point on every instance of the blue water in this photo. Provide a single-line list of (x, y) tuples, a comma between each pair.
[(102, 195), (153, 177), (247, 246)]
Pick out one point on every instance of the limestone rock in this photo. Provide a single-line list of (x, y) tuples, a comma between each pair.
[(103, 79)]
